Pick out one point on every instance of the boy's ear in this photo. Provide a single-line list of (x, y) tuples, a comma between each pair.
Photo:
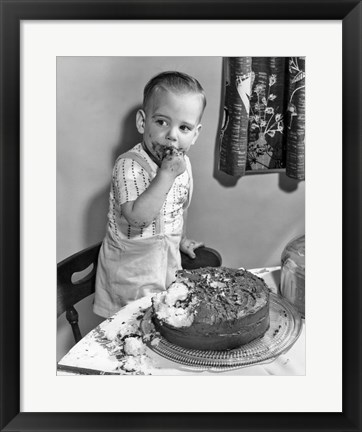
[(140, 121), (198, 129)]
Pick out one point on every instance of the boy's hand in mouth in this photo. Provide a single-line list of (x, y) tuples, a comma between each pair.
[(170, 151), (173, 161)]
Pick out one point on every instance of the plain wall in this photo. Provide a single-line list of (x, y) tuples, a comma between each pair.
[(248, 220)]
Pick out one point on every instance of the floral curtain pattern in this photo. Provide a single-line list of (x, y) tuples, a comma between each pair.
[(264, 115)]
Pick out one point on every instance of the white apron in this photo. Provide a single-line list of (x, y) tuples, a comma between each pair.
[(133, 268)]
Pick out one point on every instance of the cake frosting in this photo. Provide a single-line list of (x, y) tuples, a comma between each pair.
[(212, 308)]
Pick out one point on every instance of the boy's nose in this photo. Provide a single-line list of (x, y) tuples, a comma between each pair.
[(171, 135)]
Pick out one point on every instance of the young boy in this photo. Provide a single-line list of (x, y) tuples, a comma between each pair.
[(151, 190)]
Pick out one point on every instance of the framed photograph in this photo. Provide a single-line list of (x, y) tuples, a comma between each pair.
[(40, 44), (112, 114)]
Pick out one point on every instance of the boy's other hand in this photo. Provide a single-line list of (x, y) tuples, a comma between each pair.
[(188, 247), (173, 162)]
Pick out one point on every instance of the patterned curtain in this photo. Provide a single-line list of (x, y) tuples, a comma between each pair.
[(263, 128)]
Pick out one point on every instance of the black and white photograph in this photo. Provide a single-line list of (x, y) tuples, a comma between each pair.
[(181, 215)]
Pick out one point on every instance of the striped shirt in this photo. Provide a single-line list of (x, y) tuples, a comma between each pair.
[(129, 180)]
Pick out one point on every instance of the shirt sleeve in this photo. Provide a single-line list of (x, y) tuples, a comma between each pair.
[(129, 180)]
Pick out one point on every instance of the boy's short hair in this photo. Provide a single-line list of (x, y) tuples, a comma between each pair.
[(174, 81)]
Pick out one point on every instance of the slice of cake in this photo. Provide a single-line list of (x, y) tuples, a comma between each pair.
[(212, 308)]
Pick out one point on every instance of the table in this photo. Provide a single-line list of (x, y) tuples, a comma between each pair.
[(99, 353)]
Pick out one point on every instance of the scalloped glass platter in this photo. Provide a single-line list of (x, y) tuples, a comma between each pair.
[(285, 328)]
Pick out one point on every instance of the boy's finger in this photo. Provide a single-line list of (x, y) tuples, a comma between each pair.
[(191, 254), (167, 153)]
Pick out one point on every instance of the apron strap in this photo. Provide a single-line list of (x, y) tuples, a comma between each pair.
[(191, 182), (147, 167), (139, 159)]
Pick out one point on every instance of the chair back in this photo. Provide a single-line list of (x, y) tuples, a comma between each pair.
[(205, 257), (71, 290)]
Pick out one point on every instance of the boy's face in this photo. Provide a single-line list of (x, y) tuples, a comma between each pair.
[(171, 120)]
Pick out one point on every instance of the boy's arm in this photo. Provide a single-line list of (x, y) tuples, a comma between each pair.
[(141, 212)]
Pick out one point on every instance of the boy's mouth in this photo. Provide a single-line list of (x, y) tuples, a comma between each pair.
[(164, 150)]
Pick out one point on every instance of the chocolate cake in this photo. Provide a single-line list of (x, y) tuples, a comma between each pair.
[(212, 308)]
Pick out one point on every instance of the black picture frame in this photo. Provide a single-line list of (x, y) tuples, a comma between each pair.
[(12, 12)]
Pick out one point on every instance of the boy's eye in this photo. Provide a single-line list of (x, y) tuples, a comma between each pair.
[(185, 128), (161, 122)]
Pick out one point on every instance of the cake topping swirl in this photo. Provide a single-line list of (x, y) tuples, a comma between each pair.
[(225, 294), (212, 308)]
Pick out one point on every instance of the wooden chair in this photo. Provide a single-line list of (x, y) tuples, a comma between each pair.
[(72, 291)]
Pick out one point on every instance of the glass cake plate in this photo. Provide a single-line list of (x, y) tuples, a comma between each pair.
[(285, 328)]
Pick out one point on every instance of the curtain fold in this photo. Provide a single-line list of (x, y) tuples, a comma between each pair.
[(234, 129), (263, 124), (295, 137)]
